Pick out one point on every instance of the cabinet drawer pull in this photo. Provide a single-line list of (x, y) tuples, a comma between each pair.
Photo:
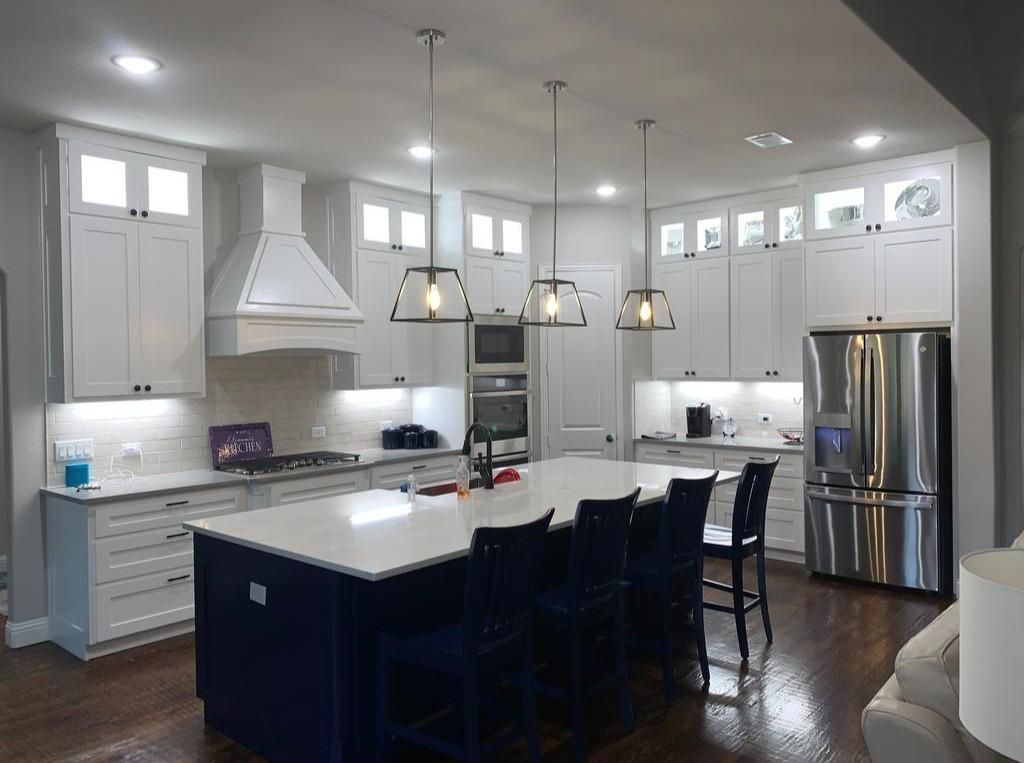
[(179, 535), (672, 451), (176, 503), (419, 466), (756, 458), (186, 576)]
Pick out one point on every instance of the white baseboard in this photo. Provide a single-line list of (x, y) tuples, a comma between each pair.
[(26, 633)]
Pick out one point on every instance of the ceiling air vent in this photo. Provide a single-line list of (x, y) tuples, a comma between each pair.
[(768, 140)]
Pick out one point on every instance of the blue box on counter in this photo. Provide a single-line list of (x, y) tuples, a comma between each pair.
[(76, 474)]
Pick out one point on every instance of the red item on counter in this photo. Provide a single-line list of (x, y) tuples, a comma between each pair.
[(507, 475)]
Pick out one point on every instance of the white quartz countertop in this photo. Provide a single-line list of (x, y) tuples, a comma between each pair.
[(773, 444), (112, 490), (377, 534)]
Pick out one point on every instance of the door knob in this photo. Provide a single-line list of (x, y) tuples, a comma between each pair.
[(609, 437)]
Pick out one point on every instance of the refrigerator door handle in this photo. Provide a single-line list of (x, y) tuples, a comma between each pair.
[(920, 503), (869, 461), (860, 415)]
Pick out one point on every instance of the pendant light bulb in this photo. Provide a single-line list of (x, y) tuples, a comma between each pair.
[(433, 297), (645, 311), (551, 304)]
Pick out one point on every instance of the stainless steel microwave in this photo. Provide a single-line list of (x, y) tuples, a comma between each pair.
[(497, 345)]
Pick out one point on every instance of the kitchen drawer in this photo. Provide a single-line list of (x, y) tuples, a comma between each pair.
[(783, 529), (784, 493), (288, 491), (790, 464), (427, 470), (143, 603), (698, 457), (128, 556), (169, 510)]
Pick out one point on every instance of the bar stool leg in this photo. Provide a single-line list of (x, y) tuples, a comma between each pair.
[(665, 607), (576, 690), (619, 634), (698, 624), (529, 699), (737, 605), (762, 591)]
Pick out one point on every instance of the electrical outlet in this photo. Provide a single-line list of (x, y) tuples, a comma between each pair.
[(73, 450), (764, 418), (318, 432), (258, 593), (131, 449)]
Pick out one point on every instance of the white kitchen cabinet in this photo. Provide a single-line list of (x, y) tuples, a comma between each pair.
[(109, 181), (696, 457), (426, 470), (284, 492), (389, 353), (393, 223), (494, 228), (681, 233), (767, 316), (120, 223), (768, 224), (120, 574), (494, 285), (880, 202), (893, 278), (698, 295)]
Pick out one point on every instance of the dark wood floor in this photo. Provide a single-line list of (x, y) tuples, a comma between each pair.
[(798, 699)]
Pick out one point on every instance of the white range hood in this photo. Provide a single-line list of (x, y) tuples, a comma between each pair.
[(273, 294)]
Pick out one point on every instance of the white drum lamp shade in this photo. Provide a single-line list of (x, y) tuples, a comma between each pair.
[(992, 648)]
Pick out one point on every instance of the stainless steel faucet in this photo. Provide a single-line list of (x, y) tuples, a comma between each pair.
[(486, 470)]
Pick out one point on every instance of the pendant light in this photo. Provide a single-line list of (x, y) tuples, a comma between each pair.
[(552, 301), (645, 309), (431, 294)]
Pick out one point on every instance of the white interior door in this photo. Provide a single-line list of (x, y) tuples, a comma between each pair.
[(581, 413)]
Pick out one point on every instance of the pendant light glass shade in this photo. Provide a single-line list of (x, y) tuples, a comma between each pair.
[(430, 294), (553, 302), (645, 309)]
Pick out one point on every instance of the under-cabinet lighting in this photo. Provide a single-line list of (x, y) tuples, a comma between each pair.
[(379, 515), (421, 152), (867, 141), (606, 190), (136, 64)]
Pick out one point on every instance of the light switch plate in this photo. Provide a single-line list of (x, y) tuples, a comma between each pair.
[(131, 448), (319, 432), (73, 450), (258, 593)]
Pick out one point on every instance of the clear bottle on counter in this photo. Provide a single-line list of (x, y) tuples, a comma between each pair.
[(411, 487), (462, 477)]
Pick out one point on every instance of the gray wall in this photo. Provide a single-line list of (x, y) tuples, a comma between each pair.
[(22, 268), (598, 234)]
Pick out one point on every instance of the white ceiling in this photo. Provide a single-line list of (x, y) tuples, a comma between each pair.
[(339, 90)]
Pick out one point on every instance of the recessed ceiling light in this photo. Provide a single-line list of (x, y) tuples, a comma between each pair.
[(606, 190), (867, 141), (136, 64), (420, 152)]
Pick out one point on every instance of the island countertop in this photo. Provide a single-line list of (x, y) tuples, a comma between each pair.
[(376, 534)]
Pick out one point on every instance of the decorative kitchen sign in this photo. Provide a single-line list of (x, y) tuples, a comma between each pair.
[(230, 443)]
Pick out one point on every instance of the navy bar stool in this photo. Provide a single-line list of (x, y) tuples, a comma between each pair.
[(496, 632), (675, 568), (592, 597), (744, 539)]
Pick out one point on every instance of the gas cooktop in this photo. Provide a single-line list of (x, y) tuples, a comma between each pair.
[(293, 462)]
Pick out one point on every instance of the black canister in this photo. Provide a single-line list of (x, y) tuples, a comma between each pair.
[(428, 438), (412, 440), (392, 438)]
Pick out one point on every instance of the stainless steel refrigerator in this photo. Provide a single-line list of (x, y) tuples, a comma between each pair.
[(877, 458)]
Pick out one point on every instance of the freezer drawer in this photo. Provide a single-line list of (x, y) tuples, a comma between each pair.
[(890, 538)]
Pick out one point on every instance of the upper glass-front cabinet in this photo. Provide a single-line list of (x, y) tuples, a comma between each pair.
[(492, 232), (389, 225), (916, 197), (677, 235), (773, 224), (111, 182)]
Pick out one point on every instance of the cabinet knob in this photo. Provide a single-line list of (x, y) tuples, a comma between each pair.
[(693, 254), (394, 246), (138, 388), (871, 318), (399, 247), (878, 226), (149, 388), (867, 228), (403, 378), (396, 378), (775, 244), (878, 319), (693, 373), (495, 252), (775, 373), (686, 373), (767, 246), (133, 212), (767, 373), (145, 213)]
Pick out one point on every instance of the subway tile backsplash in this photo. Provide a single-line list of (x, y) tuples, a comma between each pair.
[(293, 394), (662, 405)]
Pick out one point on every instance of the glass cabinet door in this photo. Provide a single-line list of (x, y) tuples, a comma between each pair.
[(513, 237), (171, 191), (918, 197), (788, 222), (838, 208), (668, 232), (373, 223), (482, 234), (710, 232), (102, 180), (751, 228), (412, 233)]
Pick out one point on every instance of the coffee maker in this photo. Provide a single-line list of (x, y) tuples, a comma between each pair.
[(698, 420)]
